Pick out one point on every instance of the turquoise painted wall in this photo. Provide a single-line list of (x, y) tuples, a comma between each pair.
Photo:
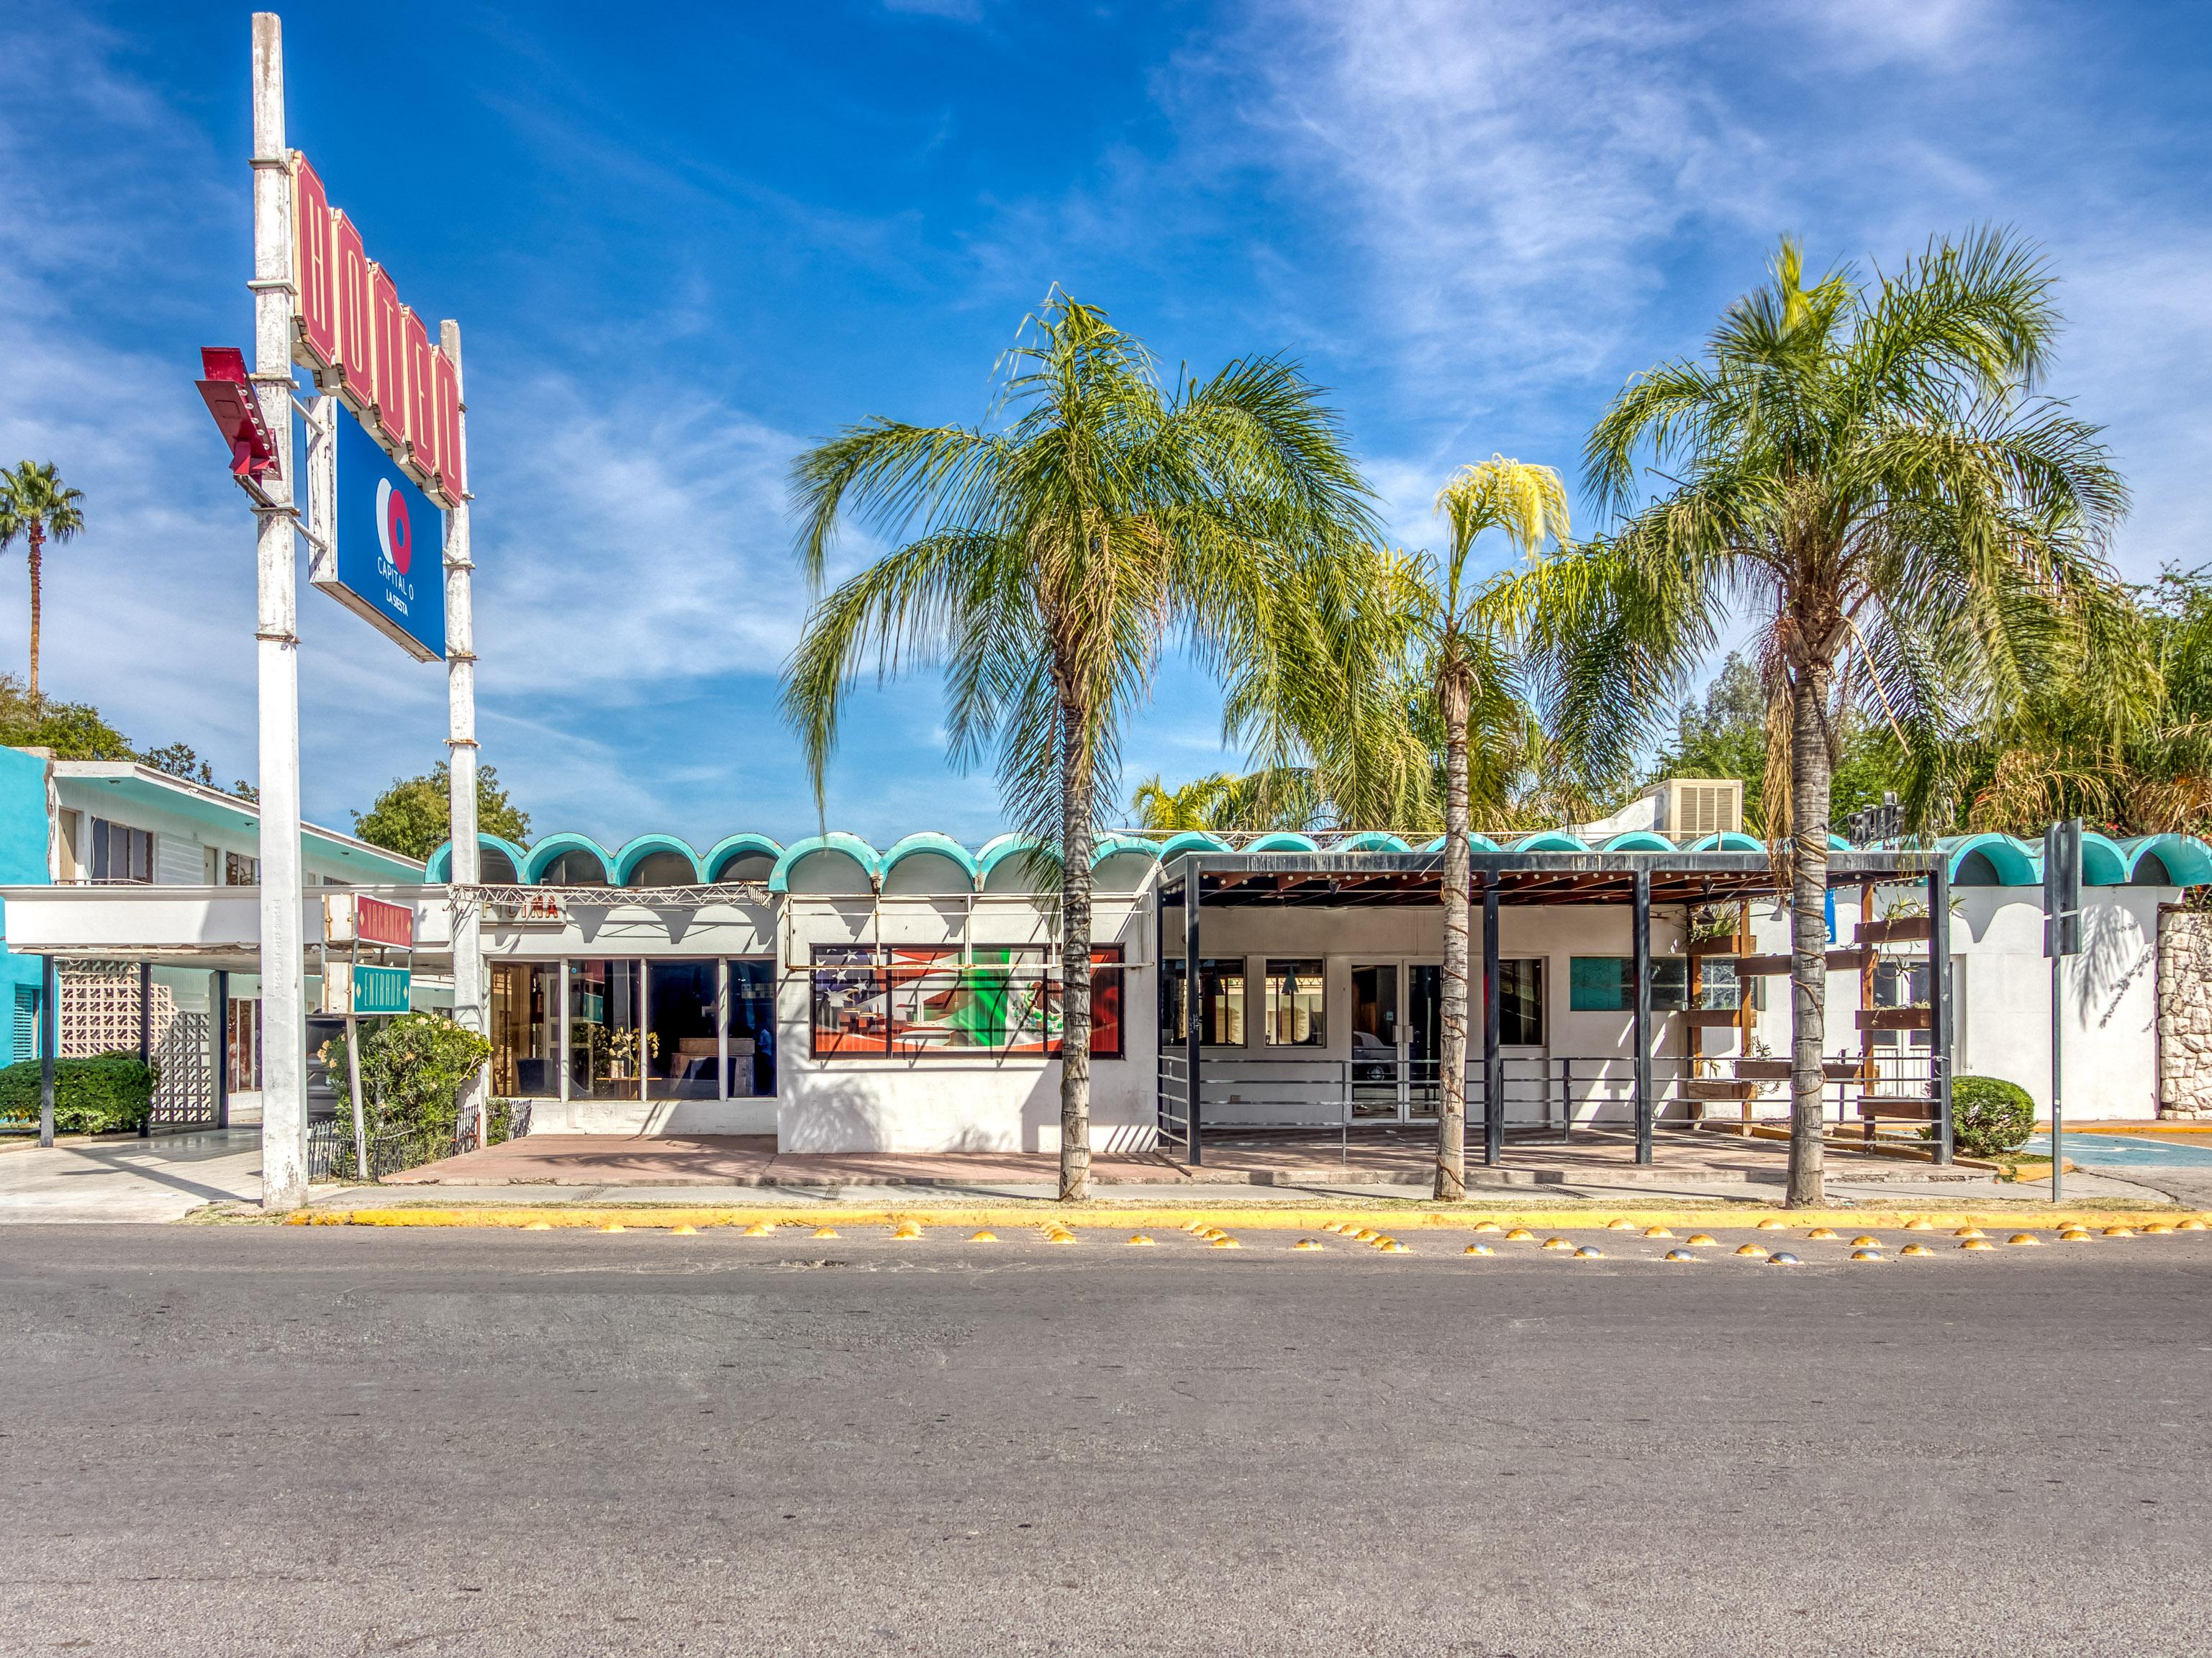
[(24, 830)]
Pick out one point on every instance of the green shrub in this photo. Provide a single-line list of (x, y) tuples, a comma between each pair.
[(1989, 1116), (412, 1069), (106, 1094)]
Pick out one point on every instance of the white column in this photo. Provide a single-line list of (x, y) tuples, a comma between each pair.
[(467, 865), (283, 983)]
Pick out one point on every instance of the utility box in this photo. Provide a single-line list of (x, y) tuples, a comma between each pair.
[(1697, 806)]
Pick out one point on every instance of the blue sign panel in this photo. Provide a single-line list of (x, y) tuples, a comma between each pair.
[(379, 990), (391, 543)]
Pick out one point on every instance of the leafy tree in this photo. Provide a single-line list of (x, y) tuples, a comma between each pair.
[(413, 816), (1919, 538), (1046, 562), (72, 730), (1281, 797), (35, 504)]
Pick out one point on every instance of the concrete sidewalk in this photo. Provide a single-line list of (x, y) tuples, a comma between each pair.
[(120, 1177)]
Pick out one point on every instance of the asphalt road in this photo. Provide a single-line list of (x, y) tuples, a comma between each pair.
[(254, 1440)]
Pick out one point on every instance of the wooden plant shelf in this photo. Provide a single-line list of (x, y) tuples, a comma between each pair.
[(1896, 1018), (1897, 929)]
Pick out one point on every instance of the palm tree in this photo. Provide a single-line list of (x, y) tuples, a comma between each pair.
[(1457, 639), (37, 505), (1047, 561), (1918, 537)]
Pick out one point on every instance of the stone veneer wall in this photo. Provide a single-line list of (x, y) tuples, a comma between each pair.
[(2184, 1013)]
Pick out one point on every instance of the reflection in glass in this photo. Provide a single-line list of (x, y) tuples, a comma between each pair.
[(1294, 1011), (752, 1029), (684, 1049), (604, 1038), (525, 1025)]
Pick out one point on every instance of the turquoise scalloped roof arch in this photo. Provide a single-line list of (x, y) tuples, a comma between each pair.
[(1116, 846), (2014, 864), (553, 846), (1191, 840), (1551, 841), (999, 847), (440, 864), (2103, 863), (1639, 840), (929, 840), (735, 846), (1285, 841), (1373, 841), (1729, 841), (2187, 859), (852, 846), (635, 852)]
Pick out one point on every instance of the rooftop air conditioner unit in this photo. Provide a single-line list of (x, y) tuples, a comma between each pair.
[(1693, 807)]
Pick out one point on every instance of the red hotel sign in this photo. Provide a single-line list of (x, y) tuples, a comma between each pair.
[(376, 922), (375, 352)]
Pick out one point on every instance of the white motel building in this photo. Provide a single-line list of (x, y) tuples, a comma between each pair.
[(842, 996)]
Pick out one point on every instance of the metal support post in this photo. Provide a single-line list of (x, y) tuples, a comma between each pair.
[(1640, 928), (1493, 1062), (1938, 1003), (2058, 1072), (283, 958), (1194, 1007), (146, 1037), (465, 863), (50, 1019), (222, 1023)]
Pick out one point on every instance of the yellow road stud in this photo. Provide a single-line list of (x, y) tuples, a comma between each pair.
[(538, 1226), (1821, 1235), (1366, 1236), (826, 1231), (1915, 1250), (2023, 1237), (2074, 1235), (1519, 1235), (1866, 1241), (1589, 1252), (1783, 1258), (2158, 1229), (1305, 1243), (2189, 1226), (1977, 1243), (2119, 1231), (1477, 1250), (1918, 1225), (1770, 1224), (1751, 1249), (905, 1232), (686, 1230), (1967, 1232), (1657, 1232), (1704, 1241), (1141, 1240), (612, 1226), (1678, 1254), (758, 1230), (1556, 1243), (1060, 1237), (1618, 1225), (1865, 1254), (983, 1237), (1485, 1226), (1392, 1246), (1217, 1243)]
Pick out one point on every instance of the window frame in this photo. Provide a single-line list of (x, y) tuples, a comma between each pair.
[(956, 972), (1293, 971)]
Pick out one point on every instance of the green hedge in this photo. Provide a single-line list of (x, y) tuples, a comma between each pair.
[(1989, 1116), (107, 1094)]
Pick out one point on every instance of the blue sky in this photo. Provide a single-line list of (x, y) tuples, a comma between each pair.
[(684, 241)]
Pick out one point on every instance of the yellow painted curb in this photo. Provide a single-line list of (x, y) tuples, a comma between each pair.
[(650, 1218)]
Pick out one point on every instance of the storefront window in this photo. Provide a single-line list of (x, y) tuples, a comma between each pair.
[(1521, 1003), (685, 1045), (1221, 989), (1607, 984), (851, 1002), (607, 1047), (525, 1029), (1295, 1015), (752, 1029), (918, 1001)]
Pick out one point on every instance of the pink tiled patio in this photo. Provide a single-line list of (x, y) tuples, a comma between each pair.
[(1370, 1157)]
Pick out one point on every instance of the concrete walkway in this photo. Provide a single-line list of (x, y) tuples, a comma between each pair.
[(120, 1177)]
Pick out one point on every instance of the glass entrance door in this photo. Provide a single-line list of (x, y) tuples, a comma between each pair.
[(1425, 1035), (1376, 1064)]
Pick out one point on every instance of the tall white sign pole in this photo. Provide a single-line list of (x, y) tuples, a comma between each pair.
[(467, 863), (284, 965)]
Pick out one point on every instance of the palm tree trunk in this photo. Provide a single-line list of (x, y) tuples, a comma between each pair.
[(1451, 1107), (38, 545), (1077, 783), (1810, 781)]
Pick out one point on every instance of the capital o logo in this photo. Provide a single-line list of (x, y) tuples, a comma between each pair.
[(393, 532)]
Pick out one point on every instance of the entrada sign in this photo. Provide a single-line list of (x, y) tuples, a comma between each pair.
[(376, 353)]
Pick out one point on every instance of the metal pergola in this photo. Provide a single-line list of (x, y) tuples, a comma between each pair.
[(1197, 881)]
